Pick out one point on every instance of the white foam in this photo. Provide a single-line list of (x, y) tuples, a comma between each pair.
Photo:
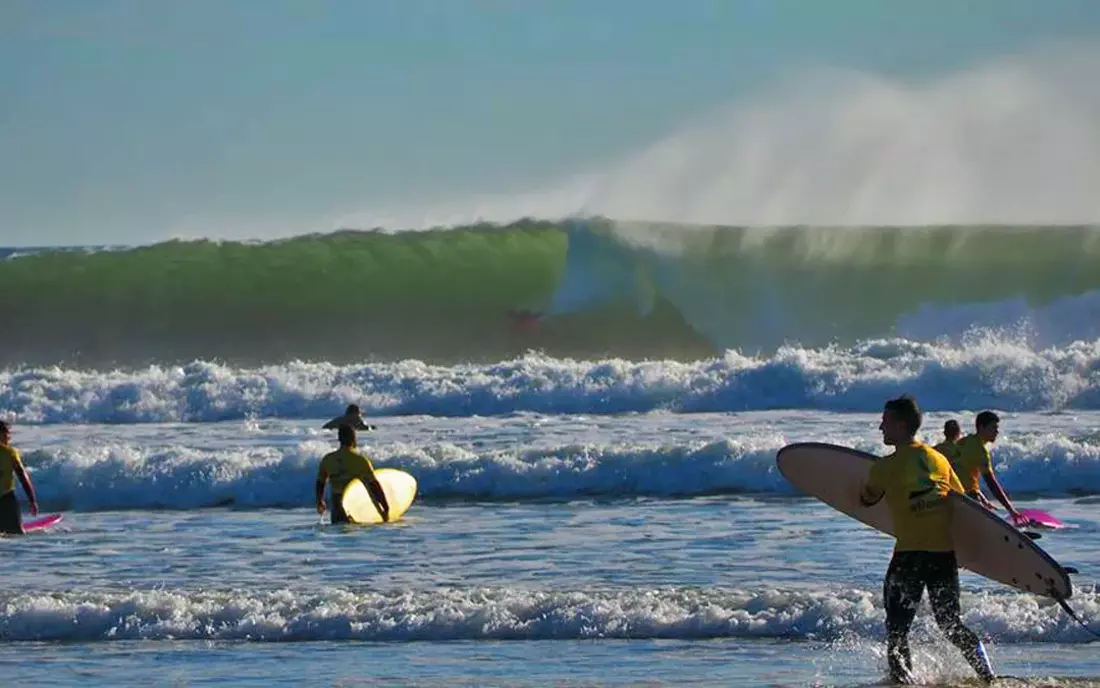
[(982, 370), (115, 475), (505, 614)]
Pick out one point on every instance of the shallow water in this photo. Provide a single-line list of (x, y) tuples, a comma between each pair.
[(654, 549)]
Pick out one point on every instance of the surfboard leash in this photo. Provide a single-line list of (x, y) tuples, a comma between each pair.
[(1073, 615)]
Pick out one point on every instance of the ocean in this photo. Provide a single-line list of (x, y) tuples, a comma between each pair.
[(598, 498)]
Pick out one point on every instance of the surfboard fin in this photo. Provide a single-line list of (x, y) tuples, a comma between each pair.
[(1073, 615)]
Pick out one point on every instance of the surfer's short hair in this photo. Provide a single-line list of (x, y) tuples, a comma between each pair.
[(352, 410), (905, 408), (951, 427), (985, 419), (4, 426), (346, 433)]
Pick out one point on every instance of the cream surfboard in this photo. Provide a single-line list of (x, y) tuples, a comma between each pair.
[(400, 489), (984, 543)]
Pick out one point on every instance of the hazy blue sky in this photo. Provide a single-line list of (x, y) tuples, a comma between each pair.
[(121, 121)]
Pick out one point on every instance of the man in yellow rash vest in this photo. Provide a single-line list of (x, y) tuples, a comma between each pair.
[(950, 445), (974, 461), (916, 481), (11, 467), (341, 467)]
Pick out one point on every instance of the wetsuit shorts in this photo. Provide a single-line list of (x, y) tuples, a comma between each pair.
[(11, 518), (909, 574)]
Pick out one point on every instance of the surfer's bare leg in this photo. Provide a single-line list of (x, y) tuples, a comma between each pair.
[(338, 513), (901, 595), (943, 593)]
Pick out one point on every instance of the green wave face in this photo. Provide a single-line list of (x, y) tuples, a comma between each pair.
[(608, 289)]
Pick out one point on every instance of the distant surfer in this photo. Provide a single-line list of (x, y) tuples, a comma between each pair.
[(342, 466), (950, 445), (974, 461), (916, 481), (352, 416), (11, 467), (525, 320)]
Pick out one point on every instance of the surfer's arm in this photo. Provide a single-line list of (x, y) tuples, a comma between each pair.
[(999, 493), (378, 496), (982, 500), (871, 491), (25, 479), (374, 489), (869, 495), (319, 490)]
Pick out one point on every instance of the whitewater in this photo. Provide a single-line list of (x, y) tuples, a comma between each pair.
[(647, 547), (591, 391)]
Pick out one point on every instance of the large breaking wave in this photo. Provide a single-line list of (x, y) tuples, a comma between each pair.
[(605, 289)]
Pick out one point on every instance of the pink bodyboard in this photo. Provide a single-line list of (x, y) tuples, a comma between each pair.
[(43, 522), (1037, 518)]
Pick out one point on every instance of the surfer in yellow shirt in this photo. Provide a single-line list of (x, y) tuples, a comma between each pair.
[(950, 445), (341, 467), (352, 416), (11, 467), (974, 461), (916, 481)]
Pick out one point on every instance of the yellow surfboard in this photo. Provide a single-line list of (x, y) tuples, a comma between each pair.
[(400, 489)]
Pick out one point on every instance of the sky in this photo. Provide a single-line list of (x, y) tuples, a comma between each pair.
[(129, 121)]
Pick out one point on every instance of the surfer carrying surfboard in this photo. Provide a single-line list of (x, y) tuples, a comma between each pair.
[(341, 467), (11, 467), (916, 481), (974, 461)]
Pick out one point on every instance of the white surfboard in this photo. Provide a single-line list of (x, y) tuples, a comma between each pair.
[(400, 489), (984, 543)]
